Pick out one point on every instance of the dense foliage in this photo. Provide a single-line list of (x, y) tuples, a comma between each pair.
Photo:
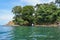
[(39, 14)]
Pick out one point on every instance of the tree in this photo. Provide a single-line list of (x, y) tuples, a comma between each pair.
[(39, 14), (27, 14), (46, 13), (17, 11)]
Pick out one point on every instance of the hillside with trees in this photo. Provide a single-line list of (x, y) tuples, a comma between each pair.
[(37, 15)]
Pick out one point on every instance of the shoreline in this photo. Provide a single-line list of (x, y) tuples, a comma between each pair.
[(36, 25), (11, 23), (47, 25)]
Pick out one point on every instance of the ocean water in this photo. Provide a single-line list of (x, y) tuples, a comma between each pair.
[(29, 33)]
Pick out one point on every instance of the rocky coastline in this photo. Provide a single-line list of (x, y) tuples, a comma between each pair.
[(11, 23)]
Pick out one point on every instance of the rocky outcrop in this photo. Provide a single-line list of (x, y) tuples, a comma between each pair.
[(10, 23)]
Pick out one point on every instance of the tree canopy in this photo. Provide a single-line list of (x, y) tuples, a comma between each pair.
[(39, 14)]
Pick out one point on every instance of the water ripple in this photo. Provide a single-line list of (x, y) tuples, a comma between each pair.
[(28, 33)]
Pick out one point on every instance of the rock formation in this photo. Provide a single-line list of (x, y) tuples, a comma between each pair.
[(10, 23)]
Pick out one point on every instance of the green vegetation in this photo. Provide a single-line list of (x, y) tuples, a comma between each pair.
[(39, 14)]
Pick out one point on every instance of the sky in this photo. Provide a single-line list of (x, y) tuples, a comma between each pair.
[(6, 6)]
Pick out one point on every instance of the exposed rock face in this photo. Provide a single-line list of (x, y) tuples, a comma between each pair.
[(10, 23)]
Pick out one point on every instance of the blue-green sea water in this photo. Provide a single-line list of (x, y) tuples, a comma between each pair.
[(29, 33)]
